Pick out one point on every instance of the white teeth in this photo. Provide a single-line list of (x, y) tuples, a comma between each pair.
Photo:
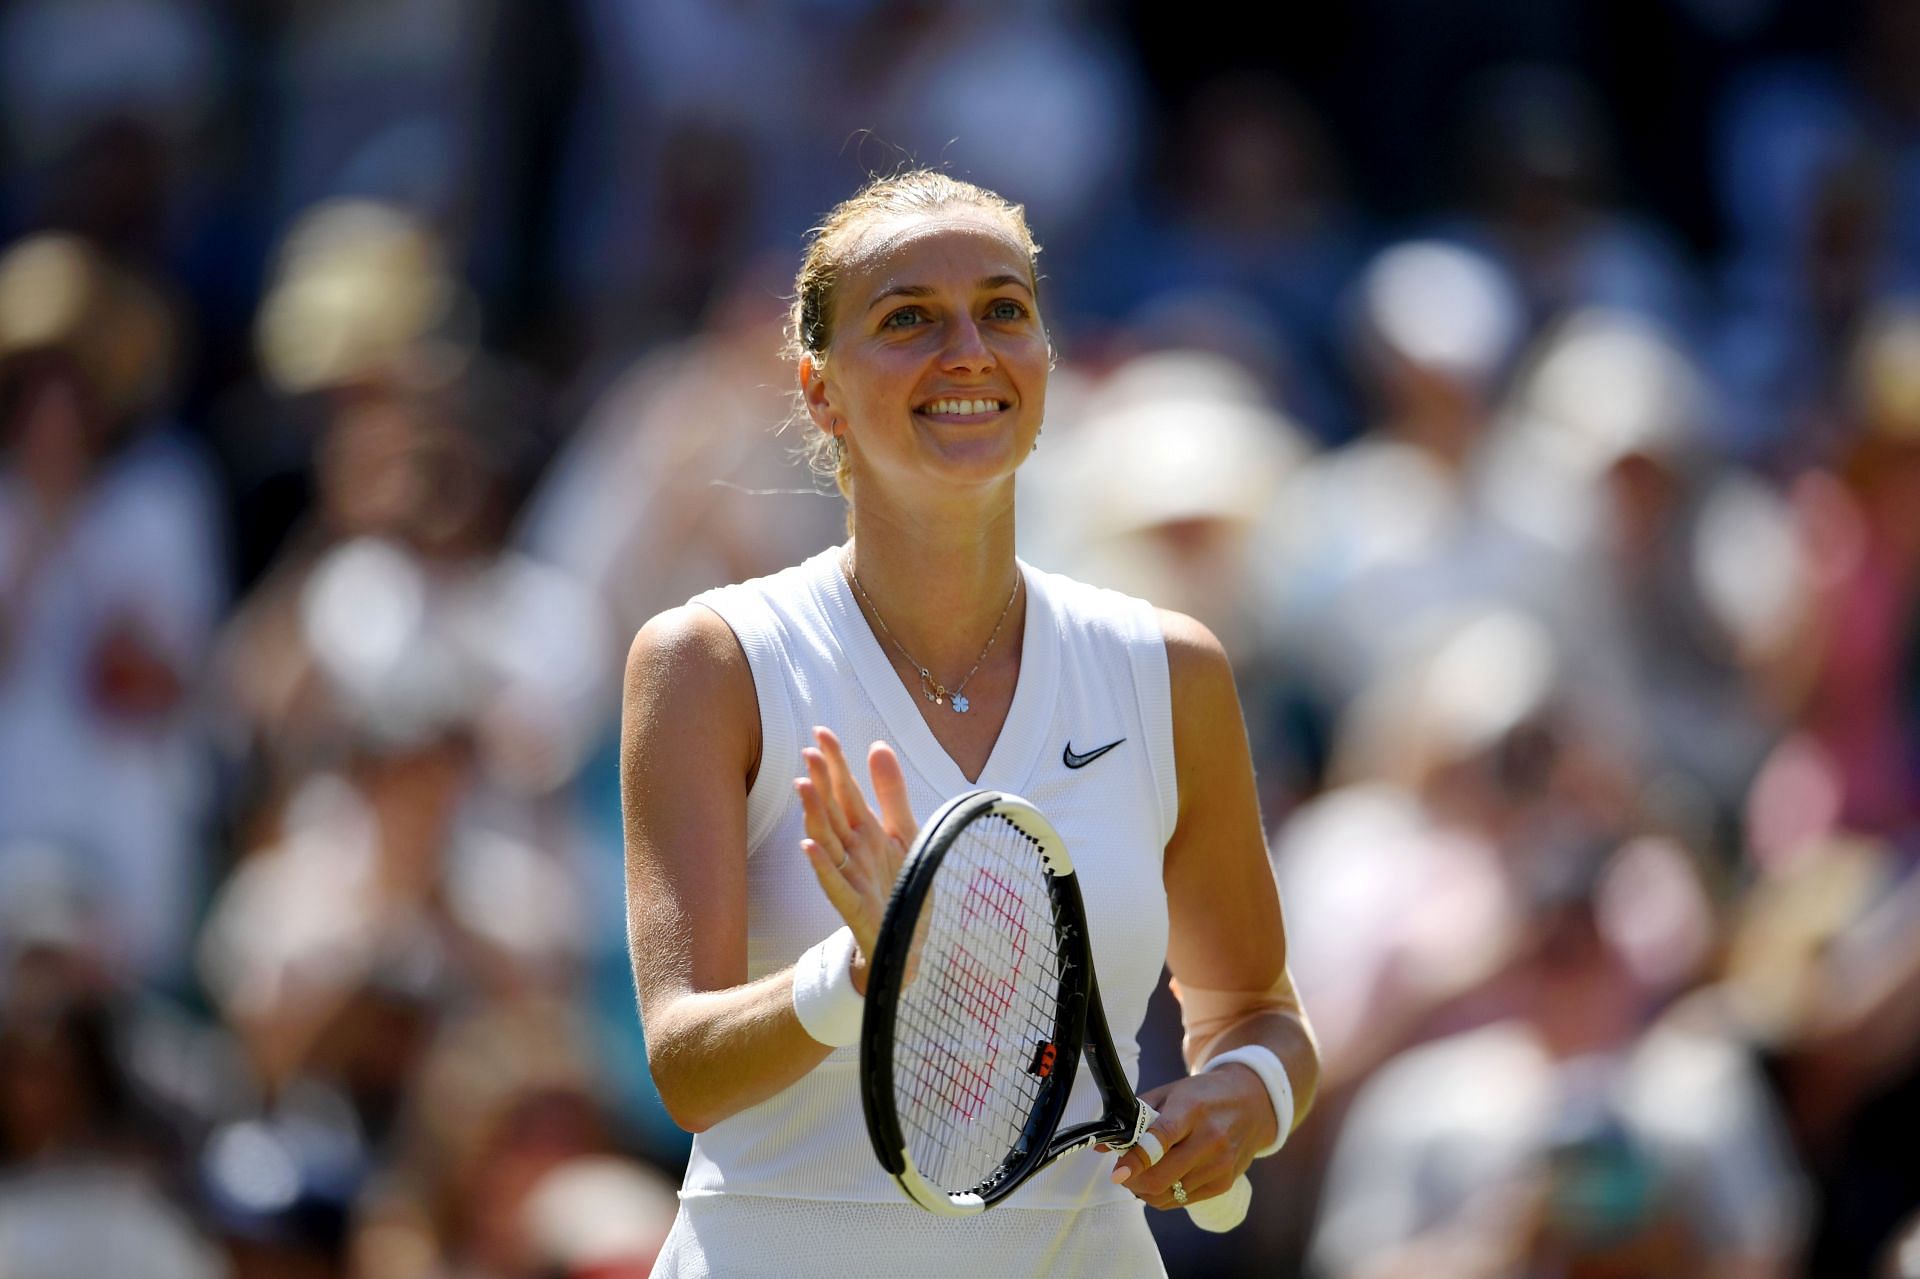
[(963, 408)]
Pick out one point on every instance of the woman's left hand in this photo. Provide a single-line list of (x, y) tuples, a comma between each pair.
[(1210, 1125)]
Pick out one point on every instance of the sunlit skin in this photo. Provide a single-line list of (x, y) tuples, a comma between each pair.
[(934, 309)]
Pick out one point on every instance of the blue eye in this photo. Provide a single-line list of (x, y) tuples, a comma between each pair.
[(905, 318), (1007, 309)]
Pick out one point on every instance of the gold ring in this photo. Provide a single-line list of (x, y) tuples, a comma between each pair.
[(1179, 1193)]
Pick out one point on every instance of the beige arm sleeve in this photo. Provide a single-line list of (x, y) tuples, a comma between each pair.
[(1206, 1015)]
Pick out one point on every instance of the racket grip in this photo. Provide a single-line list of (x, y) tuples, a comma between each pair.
[(1224, 1211)]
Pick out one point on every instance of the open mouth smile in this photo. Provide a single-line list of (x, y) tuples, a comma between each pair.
[(953, 408)]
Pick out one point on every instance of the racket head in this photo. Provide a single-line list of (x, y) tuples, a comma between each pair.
[(976, 1005)]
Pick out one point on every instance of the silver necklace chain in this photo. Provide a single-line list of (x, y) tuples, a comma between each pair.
[(930, 688)]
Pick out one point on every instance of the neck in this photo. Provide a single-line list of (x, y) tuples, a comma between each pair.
[(939, 579)]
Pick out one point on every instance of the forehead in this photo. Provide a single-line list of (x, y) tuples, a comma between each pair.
[(930, 250)]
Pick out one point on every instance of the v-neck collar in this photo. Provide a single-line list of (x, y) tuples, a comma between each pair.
[(1018, 747)]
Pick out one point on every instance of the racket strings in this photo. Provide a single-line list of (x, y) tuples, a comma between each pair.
[(968, 1030)]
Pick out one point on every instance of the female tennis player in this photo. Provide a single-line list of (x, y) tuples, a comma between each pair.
[(755, 897)]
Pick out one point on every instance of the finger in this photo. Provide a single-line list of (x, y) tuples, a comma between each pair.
[(1194, 1173), (1137, 1161), (890, 789), (819, 827), (843, 896), (1182, 1162), (1207, 1183), (824, 868), (853, 801), (1200, 1184), (831, 812), (846, 898), (1162, 1133)]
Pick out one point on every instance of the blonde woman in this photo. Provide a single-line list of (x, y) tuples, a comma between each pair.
[(754, 897)]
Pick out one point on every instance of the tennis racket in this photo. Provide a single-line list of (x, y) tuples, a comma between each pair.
[(981, 1000)]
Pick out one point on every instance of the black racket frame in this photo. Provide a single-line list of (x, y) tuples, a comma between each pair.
[(1080, 1021)]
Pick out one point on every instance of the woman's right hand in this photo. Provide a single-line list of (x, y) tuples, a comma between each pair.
[(855, 854)]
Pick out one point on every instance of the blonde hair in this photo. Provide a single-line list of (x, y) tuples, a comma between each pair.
[(829, 248)]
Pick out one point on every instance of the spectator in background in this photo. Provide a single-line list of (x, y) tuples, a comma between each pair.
[(680, 452), (1854, 691), (416, 455), (663, 184), (1038, 99), (1246, 248), (504, 1123), (93, 1075), (103, 104), (1541, 200), (1372, 537), (1692, 581), (78, 1195), (360, 296), (1175, 459), (1584, 1134), (1818, 173), (402, 694), (597, 1217), (1825, 971), (409, 770), (376, 101), (110, 584), (1458, 778), (1829, 952)]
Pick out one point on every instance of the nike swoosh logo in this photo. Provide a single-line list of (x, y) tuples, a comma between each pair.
[(1072, 760)]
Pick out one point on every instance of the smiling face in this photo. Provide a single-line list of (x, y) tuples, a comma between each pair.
[(937, 369)]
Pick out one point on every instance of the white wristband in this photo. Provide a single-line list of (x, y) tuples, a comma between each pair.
[(823, 995), (1263, 1063)]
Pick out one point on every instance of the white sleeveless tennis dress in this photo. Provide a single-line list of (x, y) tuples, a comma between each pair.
[(791, 1187)]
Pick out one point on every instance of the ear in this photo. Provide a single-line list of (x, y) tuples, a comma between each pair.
[(817, 394)]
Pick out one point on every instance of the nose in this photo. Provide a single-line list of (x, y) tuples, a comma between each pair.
[(966, 349)]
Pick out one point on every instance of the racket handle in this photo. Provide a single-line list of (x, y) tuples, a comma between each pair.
[(1224, 1211)]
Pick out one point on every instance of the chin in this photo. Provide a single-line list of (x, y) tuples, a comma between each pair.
[(980, 461)]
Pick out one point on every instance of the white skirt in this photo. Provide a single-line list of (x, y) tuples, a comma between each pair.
[(749, 1236)]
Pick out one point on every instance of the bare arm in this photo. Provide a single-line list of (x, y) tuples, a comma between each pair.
[(689, 745), (1226, 931), (689, 749)]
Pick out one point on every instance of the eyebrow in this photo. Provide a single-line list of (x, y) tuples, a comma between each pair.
[(986, 285)]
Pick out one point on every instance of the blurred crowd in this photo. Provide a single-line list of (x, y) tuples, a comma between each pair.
[(1532, 406)]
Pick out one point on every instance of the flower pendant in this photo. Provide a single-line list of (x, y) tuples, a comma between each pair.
[(959, 705)]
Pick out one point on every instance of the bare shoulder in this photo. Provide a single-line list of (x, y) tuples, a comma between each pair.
[(686, 671), (1197, 663), (689, 641)]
